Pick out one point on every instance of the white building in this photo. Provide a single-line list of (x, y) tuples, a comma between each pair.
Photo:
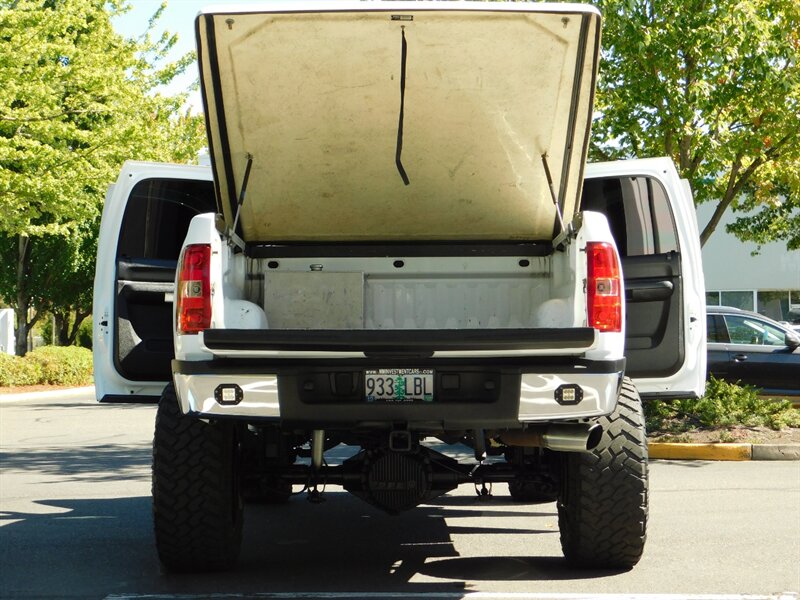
[(7, 330), (768, 282)]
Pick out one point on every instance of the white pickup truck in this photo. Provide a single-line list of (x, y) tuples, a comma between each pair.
[(398, 241)]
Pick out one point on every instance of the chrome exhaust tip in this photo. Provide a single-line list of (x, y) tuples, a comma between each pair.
[(561, 437), (573, 438)]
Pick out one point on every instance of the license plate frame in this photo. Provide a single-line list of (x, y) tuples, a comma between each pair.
[(398, 385)]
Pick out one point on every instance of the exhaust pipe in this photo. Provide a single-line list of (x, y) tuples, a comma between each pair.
[(562, 437)]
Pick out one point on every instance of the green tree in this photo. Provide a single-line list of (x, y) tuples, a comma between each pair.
[(71, 292), (59, 276), (715, 84), (76, 100)]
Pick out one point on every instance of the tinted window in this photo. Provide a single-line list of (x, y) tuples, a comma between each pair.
[(747, 330), (638, 213), (157, 216), (715, 328)]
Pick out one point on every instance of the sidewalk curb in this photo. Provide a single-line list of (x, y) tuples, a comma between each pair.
[(61, 393), (776, 452), (677, 451)]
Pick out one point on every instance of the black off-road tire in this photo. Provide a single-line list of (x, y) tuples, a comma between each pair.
[(602, 506), (197, 503)]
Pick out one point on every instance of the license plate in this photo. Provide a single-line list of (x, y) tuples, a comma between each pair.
[(399, 385)]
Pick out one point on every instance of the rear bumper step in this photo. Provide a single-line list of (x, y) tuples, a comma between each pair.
[(399, 341)]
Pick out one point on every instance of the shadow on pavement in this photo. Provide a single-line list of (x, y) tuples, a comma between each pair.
[(104, 462), (93, 547), (90, 548)]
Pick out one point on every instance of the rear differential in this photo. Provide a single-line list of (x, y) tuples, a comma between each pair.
[(395, 481)]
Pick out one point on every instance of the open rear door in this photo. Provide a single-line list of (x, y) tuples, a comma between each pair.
[(145, 219), (652, 218)]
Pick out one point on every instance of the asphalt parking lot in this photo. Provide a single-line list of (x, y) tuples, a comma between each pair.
[(75, 515)]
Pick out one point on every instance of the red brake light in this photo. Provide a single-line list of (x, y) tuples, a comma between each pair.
[(603, 287), (194, 289)]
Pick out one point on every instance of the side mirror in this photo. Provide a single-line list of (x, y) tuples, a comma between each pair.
[(792, 340)]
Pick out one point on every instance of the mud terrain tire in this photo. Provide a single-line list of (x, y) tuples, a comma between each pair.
[(197, 504), (602, 506)]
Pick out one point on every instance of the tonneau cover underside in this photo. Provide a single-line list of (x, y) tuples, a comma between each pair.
[(398, 121)]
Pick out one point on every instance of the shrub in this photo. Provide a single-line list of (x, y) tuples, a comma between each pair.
[(18, 371), (63, 365), (54, 365), (723, 405)]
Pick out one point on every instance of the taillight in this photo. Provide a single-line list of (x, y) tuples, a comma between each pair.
[(603, 287), (194, 289)]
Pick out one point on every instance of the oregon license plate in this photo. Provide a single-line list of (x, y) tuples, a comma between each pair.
[(399, 385)]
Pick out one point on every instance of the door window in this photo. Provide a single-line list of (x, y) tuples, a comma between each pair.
[(638, 213), (157, 217), (747, 330), (715, 328)]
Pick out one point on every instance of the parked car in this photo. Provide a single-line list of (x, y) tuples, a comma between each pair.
[(752, 349)]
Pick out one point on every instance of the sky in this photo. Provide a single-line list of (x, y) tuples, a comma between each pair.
[(177, 18)]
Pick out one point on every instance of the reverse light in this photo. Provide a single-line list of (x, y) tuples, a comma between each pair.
[(193, 310), (603, 287)]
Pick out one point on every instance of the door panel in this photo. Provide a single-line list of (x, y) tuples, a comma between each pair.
[(144, 330), (654, 314), (764, 367)]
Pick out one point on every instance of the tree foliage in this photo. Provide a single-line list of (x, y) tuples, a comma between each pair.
[(58, 274), (76, 100), (715, 84)]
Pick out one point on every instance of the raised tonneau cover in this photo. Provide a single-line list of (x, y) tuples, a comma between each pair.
[(398, 121)]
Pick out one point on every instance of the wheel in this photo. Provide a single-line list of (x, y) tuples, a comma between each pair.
[(197, 503), (602, 504)]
